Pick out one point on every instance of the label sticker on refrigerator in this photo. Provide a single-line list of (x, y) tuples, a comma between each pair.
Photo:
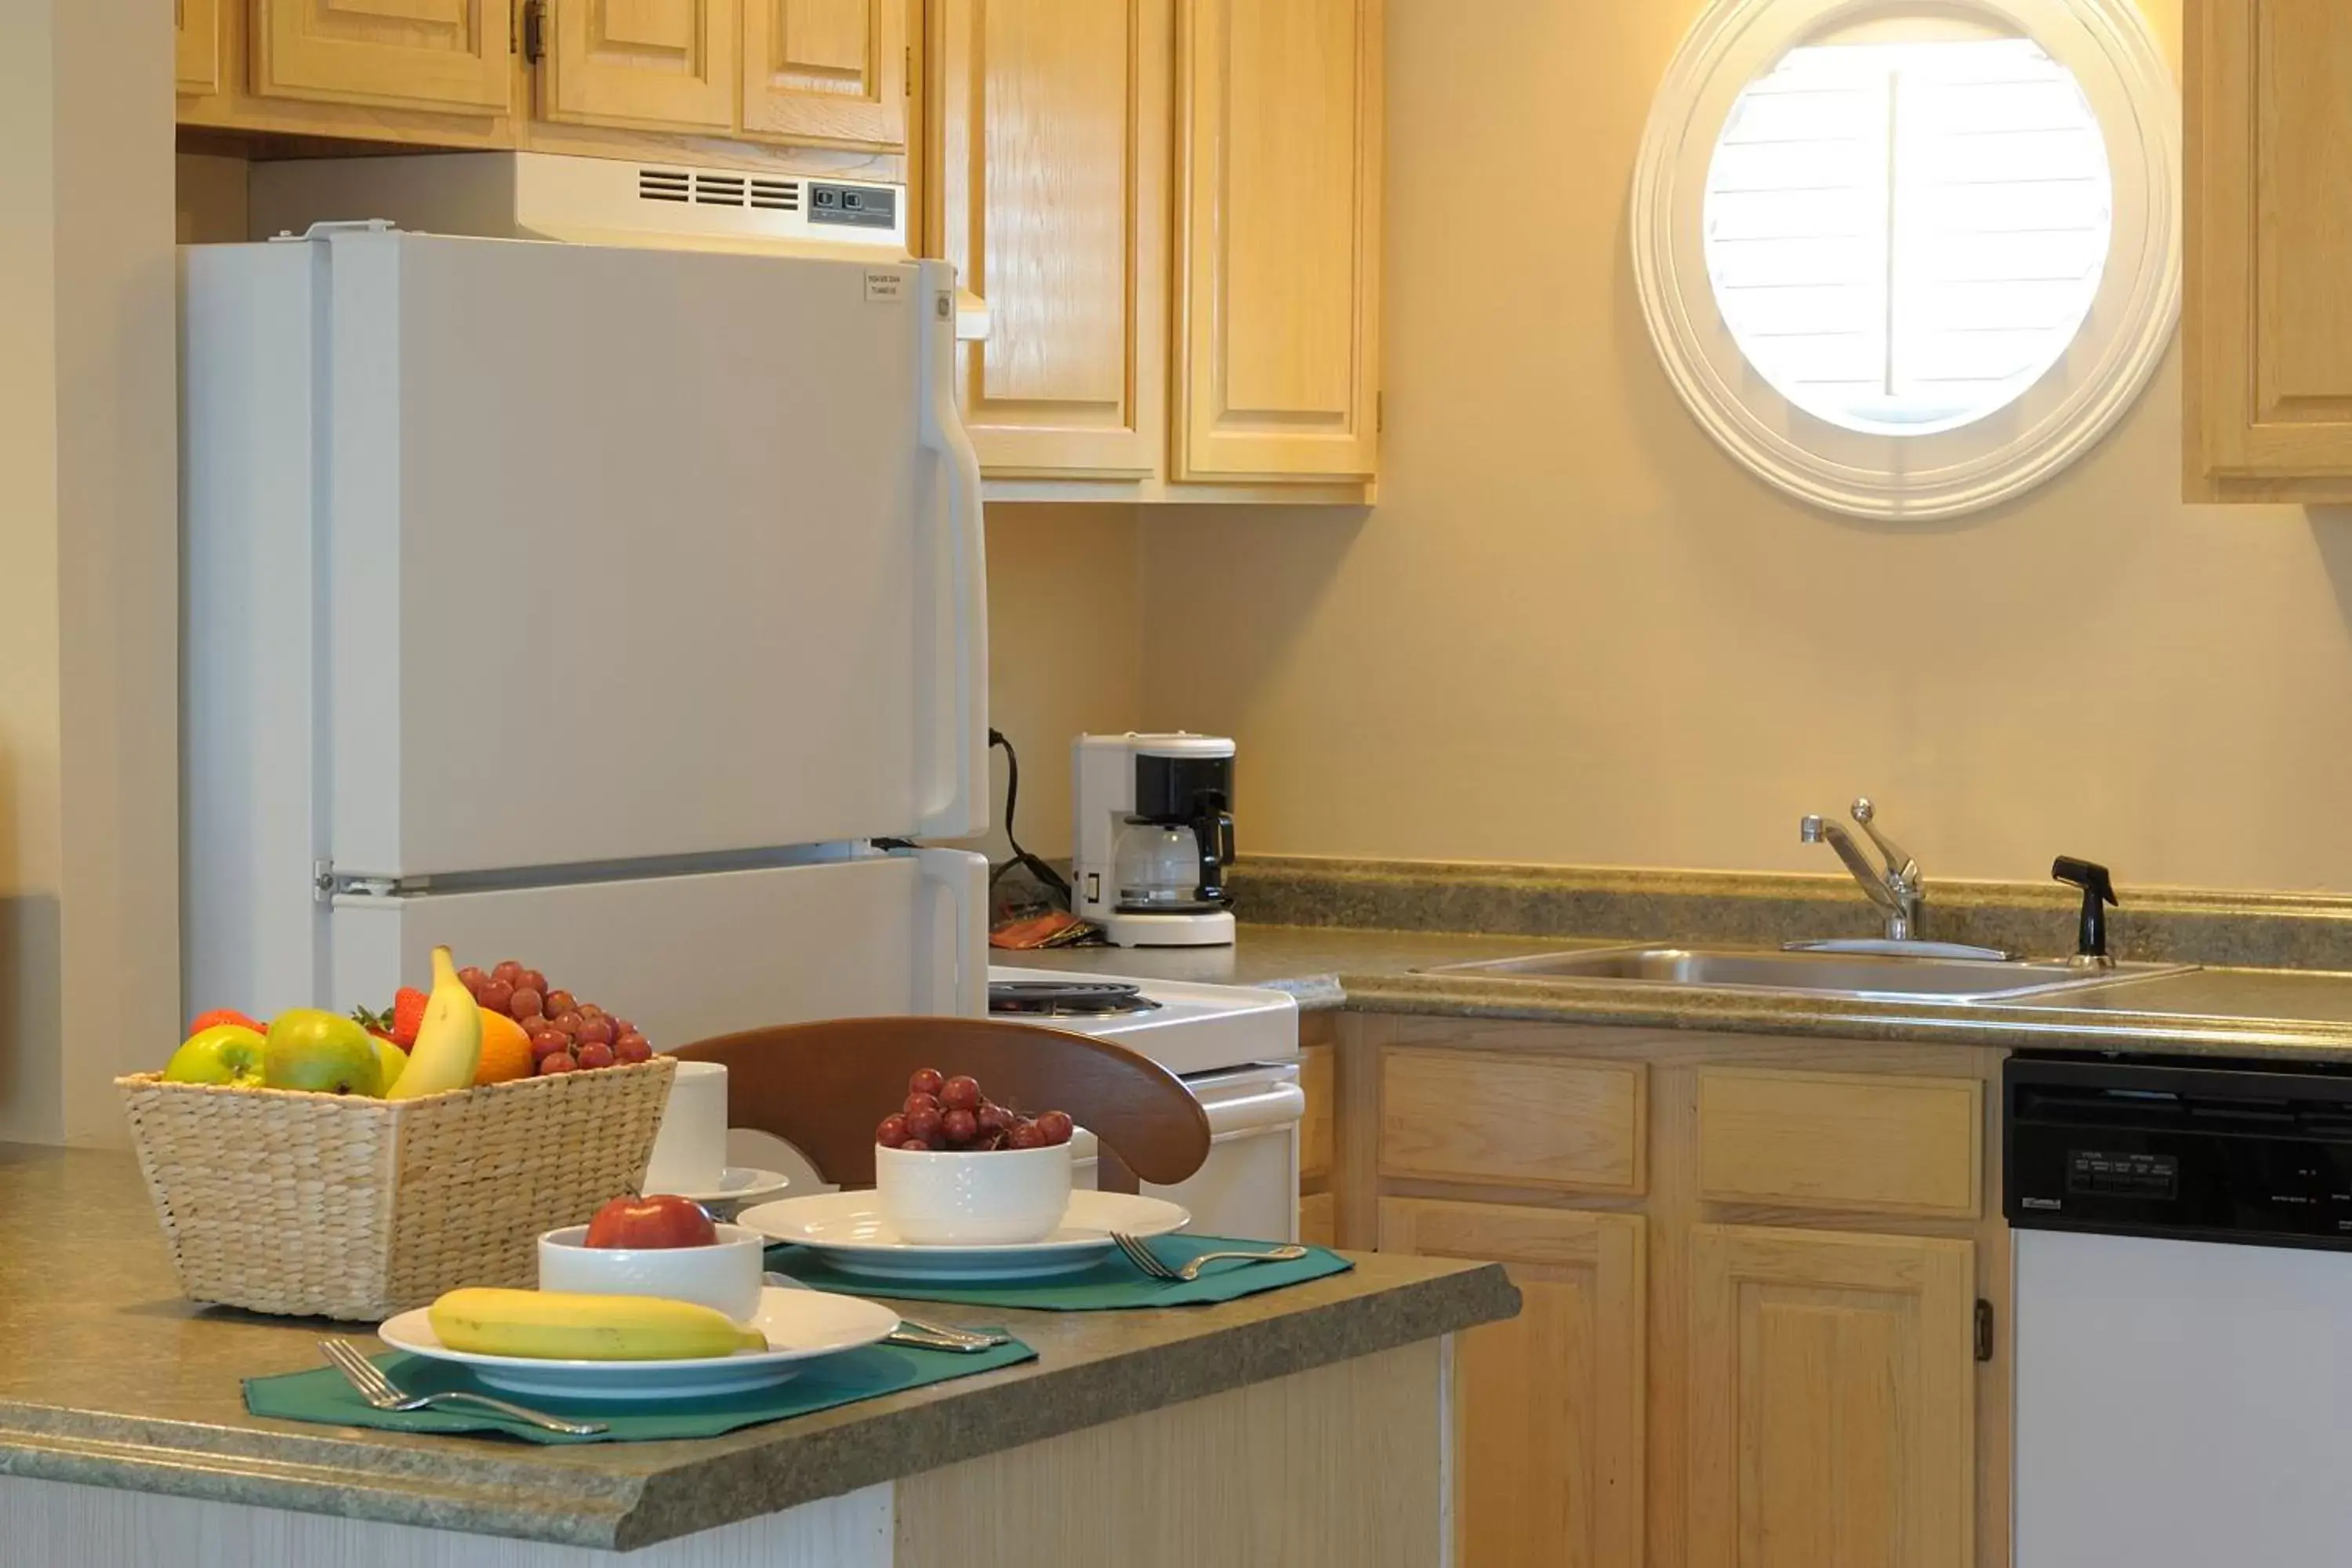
[(886, 287)]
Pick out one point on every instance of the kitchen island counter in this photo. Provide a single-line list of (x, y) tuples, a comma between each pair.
[(114, 1391)]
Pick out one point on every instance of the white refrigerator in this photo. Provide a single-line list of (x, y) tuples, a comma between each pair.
[(622, 611)]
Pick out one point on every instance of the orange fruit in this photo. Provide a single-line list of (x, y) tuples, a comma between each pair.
[(505, 1049)]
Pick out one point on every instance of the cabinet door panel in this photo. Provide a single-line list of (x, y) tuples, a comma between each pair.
[(1832, 1404), (826, 70), (666, 64), (412, 54), (1462, 1116), (1548, 1406), (197, 45), (1280, 207), (2269, 334), (1054, 191), (1840, 1140)]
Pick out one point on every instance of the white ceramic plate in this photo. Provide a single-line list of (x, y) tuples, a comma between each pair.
[(742, 1185), (801, 1325), (849, 1232)]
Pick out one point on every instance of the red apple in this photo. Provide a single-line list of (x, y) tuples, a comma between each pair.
[(656, 1220)]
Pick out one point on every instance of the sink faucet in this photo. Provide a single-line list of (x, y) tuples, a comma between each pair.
[(1897, 890)]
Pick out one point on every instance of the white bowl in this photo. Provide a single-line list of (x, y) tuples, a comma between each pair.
[(724, 1275), (995, 1197)]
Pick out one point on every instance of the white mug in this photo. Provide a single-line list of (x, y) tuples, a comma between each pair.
[(690, 1152)]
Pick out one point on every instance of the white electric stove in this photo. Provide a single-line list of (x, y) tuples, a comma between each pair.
[(1236, 1047)]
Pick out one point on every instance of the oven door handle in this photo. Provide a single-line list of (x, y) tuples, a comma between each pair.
[(1261, 1108), (1250, 1110)]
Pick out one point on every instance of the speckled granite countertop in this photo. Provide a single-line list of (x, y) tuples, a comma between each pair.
[(2212, 1011), (1320, 965), (108, 1378)]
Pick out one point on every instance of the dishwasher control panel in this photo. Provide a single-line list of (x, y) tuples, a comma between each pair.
[(2258, 1153)]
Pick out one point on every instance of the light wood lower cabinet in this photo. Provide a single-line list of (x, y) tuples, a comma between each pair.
[(1549, 1406), (1752, 1271), (1831, 1407)]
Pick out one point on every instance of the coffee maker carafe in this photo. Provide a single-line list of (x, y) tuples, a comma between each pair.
[(1155, 838)]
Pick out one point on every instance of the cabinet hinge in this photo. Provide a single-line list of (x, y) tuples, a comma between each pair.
[(906, 75), (534, 30), (1984, 1330), (1380, 412)]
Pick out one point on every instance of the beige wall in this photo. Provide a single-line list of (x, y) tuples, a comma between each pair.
[(1574, 631), (212, 205), (1065, 624), (89, 562)]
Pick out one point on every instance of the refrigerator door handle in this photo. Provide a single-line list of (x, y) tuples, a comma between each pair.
[(953, 959), (960, 810)]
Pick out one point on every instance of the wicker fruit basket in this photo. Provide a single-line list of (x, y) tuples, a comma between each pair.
[(333, 1207)]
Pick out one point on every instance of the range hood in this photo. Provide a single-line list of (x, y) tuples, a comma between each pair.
[(594, 201)]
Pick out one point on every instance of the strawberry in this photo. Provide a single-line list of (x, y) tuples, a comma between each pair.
[(407, 1015), (227, 1016), (376, 1023)]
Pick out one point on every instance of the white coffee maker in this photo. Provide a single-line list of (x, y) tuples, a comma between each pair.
[(1155, 836)]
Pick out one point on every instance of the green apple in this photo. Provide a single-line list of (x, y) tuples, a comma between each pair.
[(226, 1053), (323, 1052), (391, 1061)]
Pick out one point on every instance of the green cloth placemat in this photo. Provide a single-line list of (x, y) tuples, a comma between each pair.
[(1110, 1285), (321, 1395)]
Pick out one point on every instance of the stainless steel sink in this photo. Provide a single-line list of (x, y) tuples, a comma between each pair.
[(1886, 977)]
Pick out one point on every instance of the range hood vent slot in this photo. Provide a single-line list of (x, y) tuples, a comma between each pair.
[(719, 190), (777, 196), (663, 186)]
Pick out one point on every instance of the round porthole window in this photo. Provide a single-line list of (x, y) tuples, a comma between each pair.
[(1907, 260)]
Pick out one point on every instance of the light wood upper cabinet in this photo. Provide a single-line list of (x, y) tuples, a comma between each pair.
[(1278, 207), (2268, 328), (197, 45), (1548, 1405), (1053, 195), (403, 54), (658, 63), (826, 70), (1831, 1400)]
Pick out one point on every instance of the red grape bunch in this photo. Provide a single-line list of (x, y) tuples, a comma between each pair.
[(566, 1034), (953, 1113)]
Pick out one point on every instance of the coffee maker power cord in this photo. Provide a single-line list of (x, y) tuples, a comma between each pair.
[(1045, 875)]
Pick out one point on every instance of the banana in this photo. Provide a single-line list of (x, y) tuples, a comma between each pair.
[(448, 1042), (555, 1325)]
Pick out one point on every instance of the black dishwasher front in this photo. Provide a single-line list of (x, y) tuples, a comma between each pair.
[(2255, 1153)]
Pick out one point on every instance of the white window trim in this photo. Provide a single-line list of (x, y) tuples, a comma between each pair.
[(2121, 68)]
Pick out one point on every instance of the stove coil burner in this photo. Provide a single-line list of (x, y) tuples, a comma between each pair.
[(1066, 998)]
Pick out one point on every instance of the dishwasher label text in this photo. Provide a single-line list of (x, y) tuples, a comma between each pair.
[(2125, 1175)]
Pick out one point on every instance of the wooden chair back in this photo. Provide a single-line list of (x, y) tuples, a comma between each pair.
[(823, 1087)]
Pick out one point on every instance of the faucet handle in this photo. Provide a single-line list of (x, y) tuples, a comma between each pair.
[(1809, 830), (1900, 865)]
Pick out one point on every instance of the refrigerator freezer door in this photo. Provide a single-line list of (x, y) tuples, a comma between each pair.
[(631, 554), (686, 958)]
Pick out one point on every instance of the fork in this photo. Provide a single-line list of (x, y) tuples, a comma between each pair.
[(920, 1333), (381, 1393), (1143, 1257)]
